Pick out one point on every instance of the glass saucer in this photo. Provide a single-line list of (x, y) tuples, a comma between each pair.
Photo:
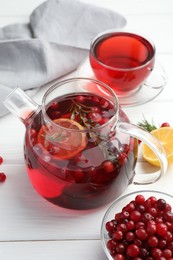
[(145, 93)]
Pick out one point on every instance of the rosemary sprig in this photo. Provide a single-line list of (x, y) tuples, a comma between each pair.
[(146, 125), (80, 110)]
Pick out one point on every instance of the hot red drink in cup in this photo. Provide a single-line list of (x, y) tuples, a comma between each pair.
[(123, 60)]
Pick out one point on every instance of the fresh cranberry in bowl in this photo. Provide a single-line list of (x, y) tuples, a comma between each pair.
[(139, 225)]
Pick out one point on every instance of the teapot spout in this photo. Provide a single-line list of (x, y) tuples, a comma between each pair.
[(22, 106)]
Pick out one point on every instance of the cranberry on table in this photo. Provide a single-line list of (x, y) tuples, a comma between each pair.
[(1, 160), (165, 124), (2, 177)]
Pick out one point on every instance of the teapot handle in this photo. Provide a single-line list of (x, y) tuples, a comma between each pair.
[(152, 142)]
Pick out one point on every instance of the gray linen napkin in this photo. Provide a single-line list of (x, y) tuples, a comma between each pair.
[(52, 44)]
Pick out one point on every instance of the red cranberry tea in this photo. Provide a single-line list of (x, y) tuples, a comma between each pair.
[(122, 60), (76, 163)]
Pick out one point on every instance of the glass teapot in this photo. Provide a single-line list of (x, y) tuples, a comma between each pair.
[(80, 148)]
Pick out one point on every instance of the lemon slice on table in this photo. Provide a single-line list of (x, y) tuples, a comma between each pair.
[(70, 144), (165, 136)]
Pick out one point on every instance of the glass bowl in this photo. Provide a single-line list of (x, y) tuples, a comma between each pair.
[(117, 207)]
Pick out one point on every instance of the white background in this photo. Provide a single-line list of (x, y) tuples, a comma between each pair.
[(31, 228)]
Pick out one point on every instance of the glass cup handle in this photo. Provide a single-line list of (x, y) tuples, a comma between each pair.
[(152, 142), (158, 78)]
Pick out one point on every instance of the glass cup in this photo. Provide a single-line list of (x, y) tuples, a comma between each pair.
[(123, 60)]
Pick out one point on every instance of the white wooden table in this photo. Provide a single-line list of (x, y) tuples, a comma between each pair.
[(30, 227)]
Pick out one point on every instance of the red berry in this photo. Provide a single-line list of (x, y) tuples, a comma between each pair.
[(162, 243), (143, 253), (80, 99), (156, 253), (1, 160), (108, 166), (140, 199), (153, 211), (32, 133), (151, 228), (122, 227), (165, 124), (161, 204), (167, 253), (135, 215), (130, 207), (120, 248), (79, 176), (111, 244), (103, 121), (130, 236), (125, 148), (96, 100), (161, 229), (121, 158), (141, 233), (55, 114), (54, 105), (2, 177), (95, 109), (130, 225), (119, 257), (95, 117), (133, 250), (104, 103), (68, 115), (117, 235), (125, 214), (168, 236), (168, 207), (110, 226), (153, 241), (168, 215), (147, 216), (140, 224)]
